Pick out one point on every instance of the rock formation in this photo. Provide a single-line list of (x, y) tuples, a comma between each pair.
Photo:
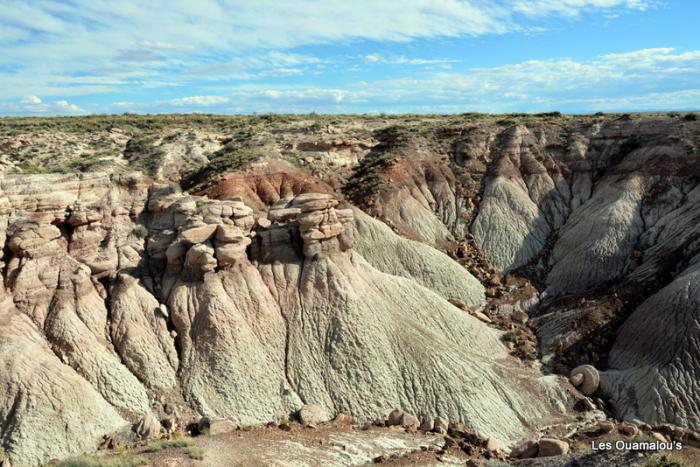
[(131, 290), (339, 282)]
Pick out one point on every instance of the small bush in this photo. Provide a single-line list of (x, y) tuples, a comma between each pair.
[(510, 336), (195, 453), (690, 117), (141, 231), (666, 459), (156, 446), (90, 461)]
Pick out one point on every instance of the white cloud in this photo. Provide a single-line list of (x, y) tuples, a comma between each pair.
[(575, 7), (34, 105), (637, 80), (65, 106), (376, 58), (232, 52), (31, 100), (199, 101), (49, 46)]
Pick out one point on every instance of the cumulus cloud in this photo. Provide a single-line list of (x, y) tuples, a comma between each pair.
[(199, 101), (575, 7), (376, 58), (30, 100), (234, 55), (621, 81), (373, 58), (34, 105), (54, 42)]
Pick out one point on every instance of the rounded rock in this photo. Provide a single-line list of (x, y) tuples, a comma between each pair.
[(587, 377)]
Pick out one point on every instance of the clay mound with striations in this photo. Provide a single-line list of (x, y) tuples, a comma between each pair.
[(129, 297)]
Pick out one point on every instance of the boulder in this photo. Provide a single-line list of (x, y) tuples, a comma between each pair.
[(525, 450), (215, 426), (519, 316), (628, 429), (394, 417), (606, 426), (440, 425), (493, 445), (409, 421), (549, 447), (426, 424), (313, 414), (343, 418), (586, 378), (481, 316), (148, 427), (201, 234)]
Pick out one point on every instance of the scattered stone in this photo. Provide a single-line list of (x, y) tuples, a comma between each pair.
[(284, 427), (148, 427), (394, 417), (606, 426), (628, 429), (585, 405), (549, 447), (519, 316), (169, 425), (440, 425), (312, 413), (343, 418), (658, 436), (586, 378), (481, 316), (450, 442), (409, 421), (163, 310), (525, 450), (426, 424), (108, 442), (218, 426), (493, 444)]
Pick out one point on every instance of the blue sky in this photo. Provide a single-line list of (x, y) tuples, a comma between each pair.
[(339, 56)]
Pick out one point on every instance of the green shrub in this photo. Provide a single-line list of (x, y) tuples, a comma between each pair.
[(141, 231), (156, 446), (666, 459), (90, 461), (195, 453)]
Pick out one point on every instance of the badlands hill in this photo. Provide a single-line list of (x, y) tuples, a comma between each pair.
[(173, 267)]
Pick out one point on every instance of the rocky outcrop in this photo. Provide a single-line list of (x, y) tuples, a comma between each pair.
[(265, 290), (135, 290), (654, 362), (47, 408)]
